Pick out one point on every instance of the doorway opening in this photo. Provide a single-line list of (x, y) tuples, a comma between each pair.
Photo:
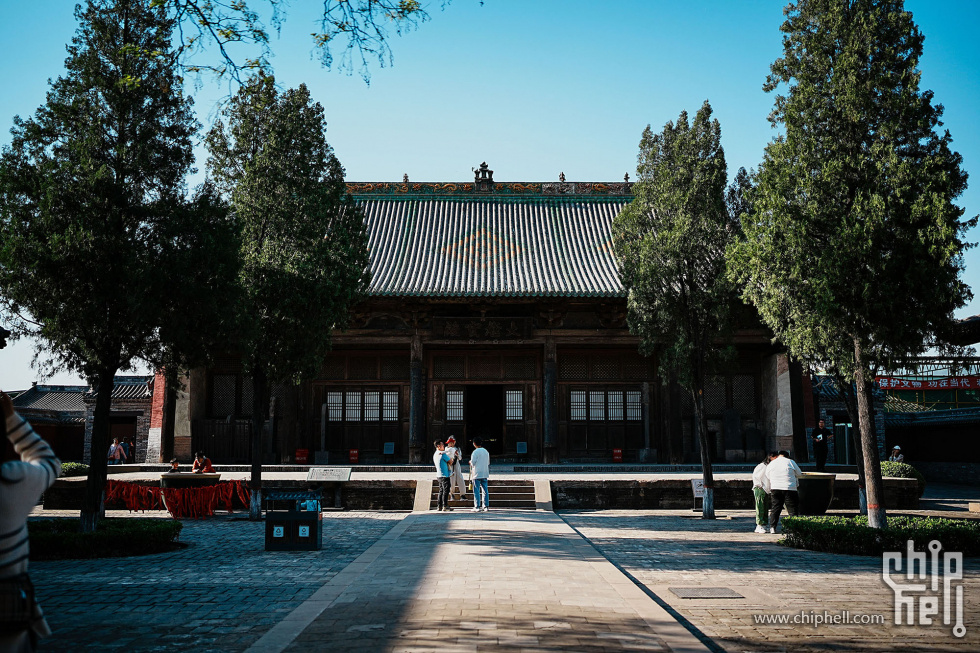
[(485, 416)]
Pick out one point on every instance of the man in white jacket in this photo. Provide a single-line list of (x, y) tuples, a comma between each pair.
[(29, 471), (760, 488), (479, 473), (783, 475)]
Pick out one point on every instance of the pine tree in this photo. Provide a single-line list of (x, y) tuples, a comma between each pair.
[(670, 243), (304, 243), (100, 249), (854, 246)]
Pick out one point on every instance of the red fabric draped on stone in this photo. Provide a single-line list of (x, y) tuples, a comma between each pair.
[(182, 503)]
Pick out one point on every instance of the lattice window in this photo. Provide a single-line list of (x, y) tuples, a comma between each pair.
[(634, 406), (484, 367), (714, 397), (615, 401), (447, 367), (223, 390), (577, 404), (390, 408), (363, 367), (573, 368), (636, 369), (333, 367), (454, 405), (245, 409), (743, 394), (515, 405), (353, 406), (335, 406), (519, 367), (372, 406), (597, 405), (394, 367), (605, 367)]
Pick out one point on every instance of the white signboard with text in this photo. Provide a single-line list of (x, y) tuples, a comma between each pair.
[(697, 486), (337, 474)]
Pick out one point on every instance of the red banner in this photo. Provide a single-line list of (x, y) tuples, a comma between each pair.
[(948, 383)]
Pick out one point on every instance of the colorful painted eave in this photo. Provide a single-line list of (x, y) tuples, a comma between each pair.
[(450, 240)]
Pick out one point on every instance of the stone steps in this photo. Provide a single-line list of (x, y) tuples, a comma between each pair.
[(503, 494)]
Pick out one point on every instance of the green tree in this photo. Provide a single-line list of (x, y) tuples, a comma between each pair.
[(101, 251), (304, 243), (670, 243), (854, 246)]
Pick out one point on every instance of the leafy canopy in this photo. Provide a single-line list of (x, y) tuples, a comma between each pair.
[(670, 245), (853, 235), (304, 244), (358, 28), (101, 252)]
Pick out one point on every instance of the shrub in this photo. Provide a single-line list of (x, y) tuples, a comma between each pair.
[(60, 539), (74, 469), (903, 470), (852, 535)]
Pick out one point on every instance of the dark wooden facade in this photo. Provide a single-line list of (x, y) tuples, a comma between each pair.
[(496, 311)]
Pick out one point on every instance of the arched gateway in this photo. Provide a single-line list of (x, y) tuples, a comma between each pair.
[(495, 309)]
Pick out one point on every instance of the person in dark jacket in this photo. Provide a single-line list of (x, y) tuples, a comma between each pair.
[(820, 437)]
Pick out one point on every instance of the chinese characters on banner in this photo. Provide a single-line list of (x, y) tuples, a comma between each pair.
[(949, 383)]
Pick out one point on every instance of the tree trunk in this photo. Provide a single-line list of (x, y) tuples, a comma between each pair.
[(93, 506), (258, 425), (171, 383), (850, 404), (869, 444), (708, 503)]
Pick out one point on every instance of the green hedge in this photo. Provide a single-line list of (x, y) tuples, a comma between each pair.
[(60, 539), (903, 470), (852, 535), (74, 469)]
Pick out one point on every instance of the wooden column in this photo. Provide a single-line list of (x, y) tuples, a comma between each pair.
[(550, 402), (646, 454), (416, 410)]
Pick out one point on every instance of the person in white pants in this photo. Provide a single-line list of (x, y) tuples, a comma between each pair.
[(479, 473)]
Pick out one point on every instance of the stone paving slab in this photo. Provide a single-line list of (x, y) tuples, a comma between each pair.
[(664, 549), (499, 581), (221, 593)]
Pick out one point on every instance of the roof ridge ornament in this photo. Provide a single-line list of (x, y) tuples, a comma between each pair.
[(483, 179)]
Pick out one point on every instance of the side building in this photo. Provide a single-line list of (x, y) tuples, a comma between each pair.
[(494, 310)]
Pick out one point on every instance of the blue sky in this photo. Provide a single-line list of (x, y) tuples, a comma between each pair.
[(532, 87)]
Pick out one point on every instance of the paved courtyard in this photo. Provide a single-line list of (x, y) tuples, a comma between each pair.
[(508, 580)]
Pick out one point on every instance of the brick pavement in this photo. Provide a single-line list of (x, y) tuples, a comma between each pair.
[(664, 549), (221, 593), (507, 580)]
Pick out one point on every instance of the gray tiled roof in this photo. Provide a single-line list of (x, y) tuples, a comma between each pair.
[(59, 398), (130, 387), (492, 246)]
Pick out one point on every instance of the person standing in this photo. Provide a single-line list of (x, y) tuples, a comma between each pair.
[(117, 455), (457, 486), (24, 475), (820, 437), (441, 460), (760, 488), (479, 474), (783, 475)]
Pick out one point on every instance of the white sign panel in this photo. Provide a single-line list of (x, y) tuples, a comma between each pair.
[(697, 486), (341, 474)]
